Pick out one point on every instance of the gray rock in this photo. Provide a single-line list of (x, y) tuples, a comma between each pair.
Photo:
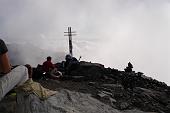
[(124, 105), (116, 89), (91, 83), (64, 101), (102, 95)]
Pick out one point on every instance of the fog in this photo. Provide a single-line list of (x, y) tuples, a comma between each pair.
[(111, 32)]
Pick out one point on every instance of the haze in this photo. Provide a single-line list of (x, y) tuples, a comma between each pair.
[(111, 32)]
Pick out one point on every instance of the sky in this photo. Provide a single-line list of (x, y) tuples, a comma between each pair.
[(111, 32)]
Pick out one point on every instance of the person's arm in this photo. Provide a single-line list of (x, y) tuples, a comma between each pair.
[(5, 66), (52, 65)]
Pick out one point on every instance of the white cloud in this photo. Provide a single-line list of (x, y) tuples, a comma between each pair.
[(112, 32)]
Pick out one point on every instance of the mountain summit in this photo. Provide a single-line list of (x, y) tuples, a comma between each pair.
[(92, 88)]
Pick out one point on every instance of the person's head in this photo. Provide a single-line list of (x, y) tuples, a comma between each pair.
[(49, 58), (68, 57)]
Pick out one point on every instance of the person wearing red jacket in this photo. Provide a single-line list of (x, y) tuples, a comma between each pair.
[(50, 69), (48, 65)]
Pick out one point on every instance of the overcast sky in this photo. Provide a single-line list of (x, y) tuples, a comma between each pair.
[(111, 32)]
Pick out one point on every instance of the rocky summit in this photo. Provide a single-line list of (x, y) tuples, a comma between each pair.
[(92, 88)]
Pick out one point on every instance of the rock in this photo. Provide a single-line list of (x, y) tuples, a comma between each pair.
[(112, 100), (91, 83), (92, 70), (106, 97), (102, 95), (91, 88), (148, 99), (116, 89), (78, 78), (124, 105), (168, 108), (63, 102), (136, 111), (129, 67), (8, 104)]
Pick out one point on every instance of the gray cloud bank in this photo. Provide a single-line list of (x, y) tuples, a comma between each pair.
[(112, 32)]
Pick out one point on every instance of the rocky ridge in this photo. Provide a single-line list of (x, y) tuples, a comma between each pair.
[(118, 91)]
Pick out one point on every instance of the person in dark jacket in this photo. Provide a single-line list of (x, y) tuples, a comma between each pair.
[(71, 64)]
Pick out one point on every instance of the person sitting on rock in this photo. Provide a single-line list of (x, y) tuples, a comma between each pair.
[(50, 69), (70, 64), (48, 65), (11, 77)]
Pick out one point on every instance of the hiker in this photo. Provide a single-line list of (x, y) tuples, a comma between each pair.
[(50, 69), (11, 77), (48, 65), (71, 64)]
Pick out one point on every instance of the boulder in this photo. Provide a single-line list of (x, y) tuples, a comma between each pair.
[(64, 101)]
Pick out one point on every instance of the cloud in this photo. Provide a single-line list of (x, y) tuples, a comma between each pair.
[(112, 32)]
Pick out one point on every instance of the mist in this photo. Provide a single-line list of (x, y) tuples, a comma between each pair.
[(111, 32)]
